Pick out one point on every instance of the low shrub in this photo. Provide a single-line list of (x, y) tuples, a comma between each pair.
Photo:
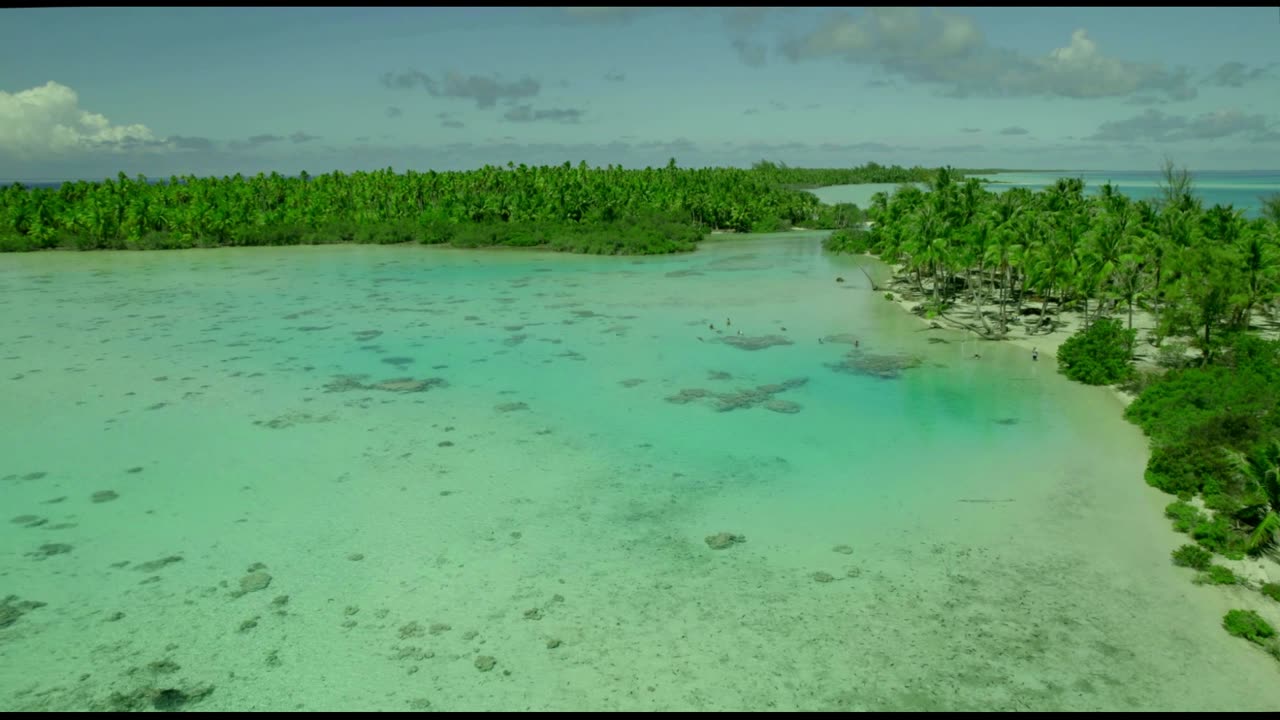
[(1101, 354), (1247, 624), (1192, 556)]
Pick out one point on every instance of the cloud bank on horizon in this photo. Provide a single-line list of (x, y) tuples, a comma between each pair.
[(225, 90)]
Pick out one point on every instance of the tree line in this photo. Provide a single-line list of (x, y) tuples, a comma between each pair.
[(603, 210)]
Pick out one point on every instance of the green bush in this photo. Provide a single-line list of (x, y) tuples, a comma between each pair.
[(1217, 575), (1271, 590), (770, 225), (1192, 556), (1173, 356), (1102, 354), (1219, 536), (1185, 516), (1247, 624), (848, 240)]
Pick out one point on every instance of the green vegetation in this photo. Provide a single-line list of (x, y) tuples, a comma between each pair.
[(1209, 278), (1215, 433), (1247, 624), (1020, 257), (1192, 556), (780, 174), (1271, 590), (1101, 354), (578, 209), (1217, 575)]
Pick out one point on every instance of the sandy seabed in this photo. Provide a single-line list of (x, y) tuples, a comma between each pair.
[(406, 478)]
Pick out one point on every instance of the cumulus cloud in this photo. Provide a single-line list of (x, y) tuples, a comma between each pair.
[(745, 19), (949, 51), (485, 90), (394, 112), (257, 140), (1234, 74), (749, 52), (1153, 125), (526, 113), (181, 142), (1015, 130), (301, 137), (49, 120), (604, 14)]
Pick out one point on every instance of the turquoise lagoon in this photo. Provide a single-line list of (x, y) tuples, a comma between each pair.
[(467, 480)]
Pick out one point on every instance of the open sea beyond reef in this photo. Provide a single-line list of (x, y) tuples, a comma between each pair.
[(398, 478), (1242, 190)]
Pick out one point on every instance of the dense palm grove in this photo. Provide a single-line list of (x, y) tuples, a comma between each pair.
[(601, 210), (1209, 279), (1198, 271)]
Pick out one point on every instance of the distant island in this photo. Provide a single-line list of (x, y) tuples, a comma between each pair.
[(607, 210)]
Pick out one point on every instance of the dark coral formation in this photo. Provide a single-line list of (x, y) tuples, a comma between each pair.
[(744, 399), (49, 550), (747, 342), (724, 540), (887, 367), (348, 383), (291, 419), (12, 609)]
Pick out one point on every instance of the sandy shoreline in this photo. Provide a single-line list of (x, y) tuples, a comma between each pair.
[(1065, 324), (1045, 341)]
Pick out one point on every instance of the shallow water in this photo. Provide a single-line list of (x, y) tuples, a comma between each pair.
[(985, 535)]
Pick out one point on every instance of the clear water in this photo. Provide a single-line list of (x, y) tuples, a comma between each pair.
[(1000, 548), (1241, 190)]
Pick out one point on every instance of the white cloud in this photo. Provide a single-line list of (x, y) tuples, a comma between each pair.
[(1160, 127), (48, 120), (950, 51)]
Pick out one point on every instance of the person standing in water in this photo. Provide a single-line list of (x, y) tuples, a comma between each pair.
[(1035, 354)]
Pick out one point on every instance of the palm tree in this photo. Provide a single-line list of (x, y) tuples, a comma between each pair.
[(1262, 473)]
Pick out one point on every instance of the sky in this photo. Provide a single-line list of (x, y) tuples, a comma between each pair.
[(89, 92)]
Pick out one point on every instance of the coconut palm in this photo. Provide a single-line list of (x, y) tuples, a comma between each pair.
[(1261, 471)]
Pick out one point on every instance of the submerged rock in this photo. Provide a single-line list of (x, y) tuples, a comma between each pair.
[(724, 540), (255, 581), (783, 406), (744, 398), (348, 383), (887, 367), (12, 609), (747, 342)]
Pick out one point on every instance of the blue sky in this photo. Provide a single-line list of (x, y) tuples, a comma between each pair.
[(88, 92)]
